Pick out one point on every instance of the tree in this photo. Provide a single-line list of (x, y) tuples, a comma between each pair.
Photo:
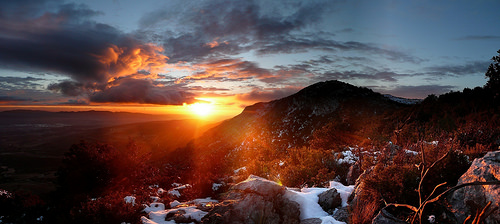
[(493, 73)]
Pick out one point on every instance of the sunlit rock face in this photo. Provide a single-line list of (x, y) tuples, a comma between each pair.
[(466, 201), (255, 200)]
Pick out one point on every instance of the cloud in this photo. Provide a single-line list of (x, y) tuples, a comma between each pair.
[(469, 68), (74, 102), (101, 62), (13, 83), (142, 91), (414, 92), (10, 99), (222, 29), (238, 26), (227, 70), (264, 95), (384, 76), (479, 37), (68, 88), (29, 96)]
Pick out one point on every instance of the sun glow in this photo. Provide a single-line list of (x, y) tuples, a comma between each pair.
[(202, 109)]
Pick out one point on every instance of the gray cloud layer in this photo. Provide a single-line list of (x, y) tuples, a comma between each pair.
[(103, 64)]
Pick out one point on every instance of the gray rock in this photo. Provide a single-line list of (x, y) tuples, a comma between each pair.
[(329, 200), (311, 221), (255, 200), (179, 217), (467, 200), (341, 214), (384, 217)]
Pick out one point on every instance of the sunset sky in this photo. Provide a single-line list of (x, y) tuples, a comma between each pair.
[(159, 56)]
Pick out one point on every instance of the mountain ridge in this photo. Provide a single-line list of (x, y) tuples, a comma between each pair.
[(291, 122)]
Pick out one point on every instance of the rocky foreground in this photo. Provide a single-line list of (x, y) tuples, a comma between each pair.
[(258, 200)]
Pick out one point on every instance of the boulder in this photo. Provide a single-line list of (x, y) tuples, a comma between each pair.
[(342, 214), (255, 200), (467, 200), (329, 200), (385, 217)]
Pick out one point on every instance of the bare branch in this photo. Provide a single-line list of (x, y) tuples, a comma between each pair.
[(402, 205), (464, 185)]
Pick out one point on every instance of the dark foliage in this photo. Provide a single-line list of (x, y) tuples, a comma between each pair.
[(21, 207)]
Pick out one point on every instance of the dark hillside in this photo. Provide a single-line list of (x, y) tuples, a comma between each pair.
[(291, 122)]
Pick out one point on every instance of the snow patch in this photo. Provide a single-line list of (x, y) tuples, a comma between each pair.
[(216, 186), (157, 213), (242, 169), (129, 200), (411, 152), (344, 191), (175, 191), (174, 204), (348, 157), (307, 198)]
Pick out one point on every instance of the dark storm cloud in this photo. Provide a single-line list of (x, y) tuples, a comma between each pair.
[(57, 42), (142, 91), (99, 59), (68, 88)]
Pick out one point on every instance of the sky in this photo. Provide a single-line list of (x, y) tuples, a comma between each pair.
[(159, 56)]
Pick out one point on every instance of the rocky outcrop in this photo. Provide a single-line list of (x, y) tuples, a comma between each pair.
[(354, 173), (360, 185), (255, 200), (330, 200), (466, 201)]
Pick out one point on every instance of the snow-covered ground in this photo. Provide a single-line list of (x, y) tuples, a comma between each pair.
[(308, 201), (307, 198)]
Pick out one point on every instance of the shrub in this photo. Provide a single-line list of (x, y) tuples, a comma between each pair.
[(306, 166), (111, 208), (20, 207)]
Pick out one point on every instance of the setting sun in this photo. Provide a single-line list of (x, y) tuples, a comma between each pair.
[(201, 109)]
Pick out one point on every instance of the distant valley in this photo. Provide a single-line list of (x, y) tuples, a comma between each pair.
[(33, 143)]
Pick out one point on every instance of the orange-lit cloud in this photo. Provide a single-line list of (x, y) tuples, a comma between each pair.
[(230, 69), (215, 43), (126, 61)]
